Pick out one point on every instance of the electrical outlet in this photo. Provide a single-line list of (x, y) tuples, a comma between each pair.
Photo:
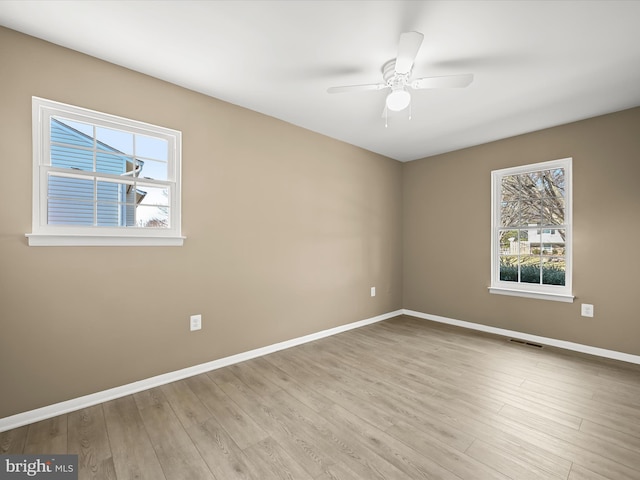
[(373, 291), (196, 322), (587, 310)]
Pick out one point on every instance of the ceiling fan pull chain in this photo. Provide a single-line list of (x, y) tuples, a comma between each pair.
[(409, 111), (386, 117)]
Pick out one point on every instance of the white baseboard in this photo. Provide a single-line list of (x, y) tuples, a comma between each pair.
[(79, 403), (552, 342)]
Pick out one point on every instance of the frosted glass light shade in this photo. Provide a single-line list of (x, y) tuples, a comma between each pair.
[(398, 100)]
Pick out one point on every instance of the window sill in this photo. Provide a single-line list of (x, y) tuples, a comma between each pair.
[(49, 240), (556, 297)]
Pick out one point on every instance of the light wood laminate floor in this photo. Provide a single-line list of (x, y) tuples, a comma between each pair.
[(400, 399)]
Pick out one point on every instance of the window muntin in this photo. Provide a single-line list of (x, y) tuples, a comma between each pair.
[(97, 175), (531, 229)]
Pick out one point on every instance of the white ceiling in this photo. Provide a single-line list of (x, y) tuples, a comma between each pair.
[(536, 63)]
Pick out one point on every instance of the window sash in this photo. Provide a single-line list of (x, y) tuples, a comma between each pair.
[(96, 202)]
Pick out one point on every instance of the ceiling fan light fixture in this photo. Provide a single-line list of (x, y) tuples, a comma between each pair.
[(398, 100)]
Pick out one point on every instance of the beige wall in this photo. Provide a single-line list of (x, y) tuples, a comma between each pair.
[(446, 225), (286, 232)]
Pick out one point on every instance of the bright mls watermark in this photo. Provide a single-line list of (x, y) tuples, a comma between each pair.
[(39, 467)]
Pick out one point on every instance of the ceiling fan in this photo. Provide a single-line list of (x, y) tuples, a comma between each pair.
[(396, 75)]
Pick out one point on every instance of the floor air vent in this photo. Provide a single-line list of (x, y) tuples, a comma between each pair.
[(523, 342)]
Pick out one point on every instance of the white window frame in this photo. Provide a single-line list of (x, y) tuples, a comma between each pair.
[(43, 234), (546, 292)]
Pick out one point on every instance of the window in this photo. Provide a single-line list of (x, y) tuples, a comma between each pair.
[(531, 231), (99, 179)]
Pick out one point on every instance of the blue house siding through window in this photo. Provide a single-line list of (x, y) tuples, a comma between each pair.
[(87, 201)]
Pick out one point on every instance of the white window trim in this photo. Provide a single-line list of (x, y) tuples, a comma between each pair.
[(43, 234), (544, 292)]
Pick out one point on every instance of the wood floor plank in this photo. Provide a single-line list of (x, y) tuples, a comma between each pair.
[(624, 440), (411, 463), (546, 422), (186, 404), (578, 439), (260, 385), (615, 397), (132, 451), (176, 452), (278, 377), (339, 471), (225, 459), (88, 438), (47, 437), (621, 418), (406, 405), (242, 428), (12, 442), (452, 459), (341, 446), (437, 384), (295, 438), (580, 473), (511, 467), (338, 393), (271, 461), (599, 457)]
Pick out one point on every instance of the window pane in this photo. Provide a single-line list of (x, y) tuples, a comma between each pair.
[(556, 238), (530, 213), (108, 215), (553, 211), (154, 195), (152, 216), (522, 245), (509, 268), (113, 164), (509, 214), (554, 183), (530, 269), (154, 170), (112, 140), (506, 239), (531, 185), (152, 147), (69, 212), (70, 201), (552, 242), (510, 188), (70, 157), (553, 270), (66, 187), (110, 192), (63, 130)]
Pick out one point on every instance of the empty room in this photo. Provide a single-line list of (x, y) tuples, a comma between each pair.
[(319, 240)]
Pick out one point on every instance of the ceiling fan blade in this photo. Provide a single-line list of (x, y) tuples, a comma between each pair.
[(446, 81), (407, 51), (357, 88)]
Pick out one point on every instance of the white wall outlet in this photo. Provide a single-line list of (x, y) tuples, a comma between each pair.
[(587, 310), (196, 322), (373, 291)]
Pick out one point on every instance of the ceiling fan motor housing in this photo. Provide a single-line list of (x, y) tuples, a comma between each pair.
[(393, 79)]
